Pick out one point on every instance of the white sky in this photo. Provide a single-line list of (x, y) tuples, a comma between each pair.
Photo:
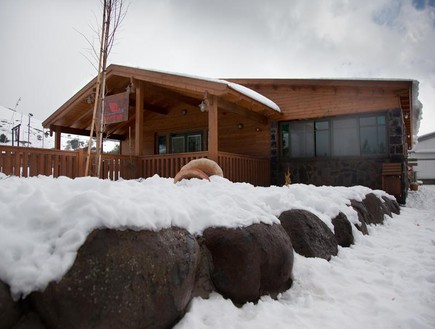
[(42, 56)]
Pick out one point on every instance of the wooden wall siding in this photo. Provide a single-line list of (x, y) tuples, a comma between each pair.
[(246, 140), (317, 102)]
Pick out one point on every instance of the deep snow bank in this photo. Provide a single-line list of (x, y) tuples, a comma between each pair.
[(45, 220)]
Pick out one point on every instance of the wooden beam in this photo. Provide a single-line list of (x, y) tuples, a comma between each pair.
[(213, 145), (155, 108), (171, 94), (82, 132), (57, 137), (139, 131), (254, 116)]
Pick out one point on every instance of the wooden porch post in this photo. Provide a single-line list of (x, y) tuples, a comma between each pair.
[(138, 133), (57, 135), (213, 146)]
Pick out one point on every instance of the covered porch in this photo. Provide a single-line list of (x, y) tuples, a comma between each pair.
[(175, 118)]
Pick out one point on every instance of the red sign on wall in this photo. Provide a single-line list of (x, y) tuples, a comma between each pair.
[(116, 108)]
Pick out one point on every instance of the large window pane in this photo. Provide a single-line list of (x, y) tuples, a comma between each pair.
[(301, 139), (323, 147), (162, 145), (372, 135), (285, 141), (345, 137), (193, 143), (369, 140), (177, 144)]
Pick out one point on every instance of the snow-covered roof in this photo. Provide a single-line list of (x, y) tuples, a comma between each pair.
[(234, 86)]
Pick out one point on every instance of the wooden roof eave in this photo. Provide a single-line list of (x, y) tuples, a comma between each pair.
[(254, 105), (79, 96), (197, 85)]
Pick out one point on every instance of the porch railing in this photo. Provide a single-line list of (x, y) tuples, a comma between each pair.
[(26, 162)]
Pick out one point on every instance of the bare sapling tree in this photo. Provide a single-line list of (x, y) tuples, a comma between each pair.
[(114, 12)]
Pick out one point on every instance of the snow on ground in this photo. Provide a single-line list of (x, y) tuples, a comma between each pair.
[(386, 280)]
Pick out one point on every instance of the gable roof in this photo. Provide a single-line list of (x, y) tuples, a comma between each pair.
[(163, 90)]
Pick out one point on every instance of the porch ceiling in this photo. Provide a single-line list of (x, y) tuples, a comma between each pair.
[(162, 91)]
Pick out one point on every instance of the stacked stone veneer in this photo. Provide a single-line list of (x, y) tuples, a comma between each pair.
[(346, 171), (396, 135)]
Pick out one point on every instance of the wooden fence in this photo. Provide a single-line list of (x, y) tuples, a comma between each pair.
[(26, 162)]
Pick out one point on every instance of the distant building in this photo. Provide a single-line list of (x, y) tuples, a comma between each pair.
[(424, 153)]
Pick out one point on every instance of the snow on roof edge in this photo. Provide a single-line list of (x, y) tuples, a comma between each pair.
[(254, 95), (239, 88)]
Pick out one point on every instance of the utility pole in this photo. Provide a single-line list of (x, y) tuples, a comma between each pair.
[(28, 131)]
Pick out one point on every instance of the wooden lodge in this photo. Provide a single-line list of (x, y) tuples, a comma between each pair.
[(323, 132)]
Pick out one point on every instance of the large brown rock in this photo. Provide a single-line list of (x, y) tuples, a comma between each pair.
[(10, 311), (124, 279), (309, 235), (363, 216), (392, 205), (30, 321), (343, 230), (251, 261), (375, 208)]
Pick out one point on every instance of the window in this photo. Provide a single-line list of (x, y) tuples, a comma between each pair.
[(323, 147), (194, 143), (345, 137), (348, 136), (372, 135), (301, 139), (161, 144), (179, 143)]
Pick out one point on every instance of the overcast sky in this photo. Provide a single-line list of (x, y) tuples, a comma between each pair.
[(43, 57)]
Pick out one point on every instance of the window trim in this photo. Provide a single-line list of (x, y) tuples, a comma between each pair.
[(330, 130), (185, 134)]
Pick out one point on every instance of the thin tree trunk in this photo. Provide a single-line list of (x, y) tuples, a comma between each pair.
[(97, 93)]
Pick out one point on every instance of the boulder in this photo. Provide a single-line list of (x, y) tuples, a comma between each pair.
[(124, 279), (203, 282), (10, 311), (375, 208), (363, 216), (249, 262), (392, 205), (309, 235), (343, 230), (30, 321)]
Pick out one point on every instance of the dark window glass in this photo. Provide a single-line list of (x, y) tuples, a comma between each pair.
[(345, 137), (301, 139), (162, 145), (323, 147), (186, 142)]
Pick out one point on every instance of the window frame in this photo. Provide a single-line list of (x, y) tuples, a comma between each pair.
[(284, 127), (168, 138)]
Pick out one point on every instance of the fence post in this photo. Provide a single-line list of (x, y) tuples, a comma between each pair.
[(81, 162)]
